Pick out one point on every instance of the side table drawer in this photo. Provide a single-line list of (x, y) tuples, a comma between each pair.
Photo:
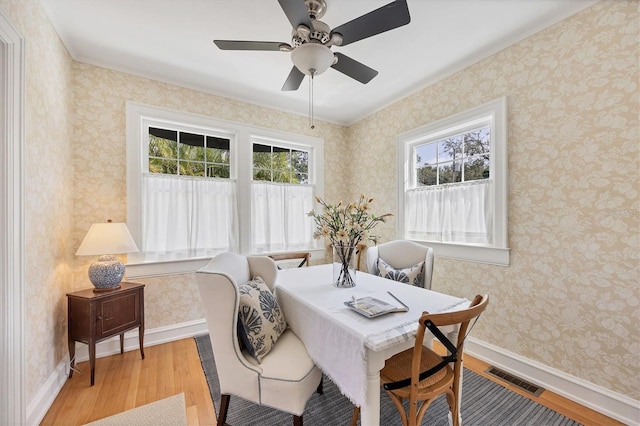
[(117, 314)]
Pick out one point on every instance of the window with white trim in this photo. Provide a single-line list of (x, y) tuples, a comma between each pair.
[(197, 186), (453, 185), (281, 197)]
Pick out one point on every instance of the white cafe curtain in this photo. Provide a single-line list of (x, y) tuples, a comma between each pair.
[(279, 217), (459, 213), (188, 214)]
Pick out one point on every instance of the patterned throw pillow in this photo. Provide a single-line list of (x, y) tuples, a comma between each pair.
[(411, 275), (261, 318)]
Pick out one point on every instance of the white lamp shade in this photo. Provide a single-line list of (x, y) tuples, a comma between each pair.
[(310, 56), (107, 238)]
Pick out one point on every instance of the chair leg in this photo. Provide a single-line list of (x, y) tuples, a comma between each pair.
[(224, 408), (320, 388), (297, 420), (354, 417)]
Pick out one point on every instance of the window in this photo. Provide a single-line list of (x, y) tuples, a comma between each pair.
[(188, 200), (188, 154), (452, 189), (198, 186), (280, 164), (281, 197)]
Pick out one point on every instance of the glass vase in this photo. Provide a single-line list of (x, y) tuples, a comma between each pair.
[(344, 266)]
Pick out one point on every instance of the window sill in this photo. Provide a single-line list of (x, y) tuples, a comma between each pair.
[(472, 253), (139, 268)]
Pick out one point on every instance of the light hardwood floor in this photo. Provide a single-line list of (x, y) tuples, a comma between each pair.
[(125, 381)]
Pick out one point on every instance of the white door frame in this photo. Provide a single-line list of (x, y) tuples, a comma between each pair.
[(13, 407)]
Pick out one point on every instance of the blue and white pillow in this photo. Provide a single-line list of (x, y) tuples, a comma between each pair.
[(411, 275), (261, 318)]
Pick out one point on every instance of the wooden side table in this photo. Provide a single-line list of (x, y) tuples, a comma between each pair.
[(96, 316)]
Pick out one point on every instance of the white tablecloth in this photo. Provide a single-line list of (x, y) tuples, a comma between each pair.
[(336, 337)]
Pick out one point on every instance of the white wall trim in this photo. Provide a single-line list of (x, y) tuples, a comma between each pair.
[(614, 405), (41, 403), (12, 281), (598, 398)]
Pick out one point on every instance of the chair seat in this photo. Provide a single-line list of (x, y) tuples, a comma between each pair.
[(289, 376), (398, 367), (287, 361)]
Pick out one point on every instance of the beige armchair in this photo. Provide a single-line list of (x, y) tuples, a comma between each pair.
[(402, 254), (286, 377)]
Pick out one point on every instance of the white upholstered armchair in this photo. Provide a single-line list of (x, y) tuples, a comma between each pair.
[(285, 377), (402, 255)]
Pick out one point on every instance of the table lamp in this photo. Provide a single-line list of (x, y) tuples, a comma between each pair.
[(105, 240)]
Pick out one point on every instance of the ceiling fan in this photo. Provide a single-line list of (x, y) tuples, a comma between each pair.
[(311, 39)]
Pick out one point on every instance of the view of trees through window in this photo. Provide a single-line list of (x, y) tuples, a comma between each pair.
[(278, 164), (188, 154), (458, 158)]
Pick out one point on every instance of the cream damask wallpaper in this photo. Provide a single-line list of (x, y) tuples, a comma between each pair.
[(48, 190), (100, 96), (569, 299)]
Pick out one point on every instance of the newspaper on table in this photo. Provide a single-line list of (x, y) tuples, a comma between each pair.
[(371, 307)]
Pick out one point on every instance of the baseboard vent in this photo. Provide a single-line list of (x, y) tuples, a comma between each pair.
[(516, 381)]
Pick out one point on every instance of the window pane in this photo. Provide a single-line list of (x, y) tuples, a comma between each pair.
[(218, 171), (215, 155), (476, 168), (426, 154), (449, 148), (281, 164), (301, 178), (191, 168), (450, 172), (158, 165), (262, 174), (278, 164), (426, 176), (218, 143), (477, 142), (262, 160), (281, 175), (162, 148), (191, 139), (188, 152), (163, 133), (299, 161)]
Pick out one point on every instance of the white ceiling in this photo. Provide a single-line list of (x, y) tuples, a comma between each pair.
[(171, 41)]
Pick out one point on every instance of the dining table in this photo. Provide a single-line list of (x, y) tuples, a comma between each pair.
[(348, 347)]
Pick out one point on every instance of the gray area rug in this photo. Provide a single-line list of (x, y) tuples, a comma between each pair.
[(484, 403)]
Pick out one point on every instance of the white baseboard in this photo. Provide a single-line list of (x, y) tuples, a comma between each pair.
[(598, 398), (611, 404), (41, 403)]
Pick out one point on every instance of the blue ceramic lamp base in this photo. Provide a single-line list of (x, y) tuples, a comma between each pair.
[(106, 273)]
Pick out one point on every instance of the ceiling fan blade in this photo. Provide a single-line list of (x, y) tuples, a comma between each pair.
[(388, 17), (354, 69), (248, 45), (296, 12), (294, 80)]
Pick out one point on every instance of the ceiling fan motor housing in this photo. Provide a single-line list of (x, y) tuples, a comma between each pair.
[(316, 8), (320, 33)]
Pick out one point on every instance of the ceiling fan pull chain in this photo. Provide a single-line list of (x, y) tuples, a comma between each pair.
[(312, 72)]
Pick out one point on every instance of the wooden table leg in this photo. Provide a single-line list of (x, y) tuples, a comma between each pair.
[(121, 343)]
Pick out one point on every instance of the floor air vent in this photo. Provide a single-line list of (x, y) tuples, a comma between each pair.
[(516, 381)]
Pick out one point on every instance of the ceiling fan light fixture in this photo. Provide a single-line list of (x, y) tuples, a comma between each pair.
[(312, 56)]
